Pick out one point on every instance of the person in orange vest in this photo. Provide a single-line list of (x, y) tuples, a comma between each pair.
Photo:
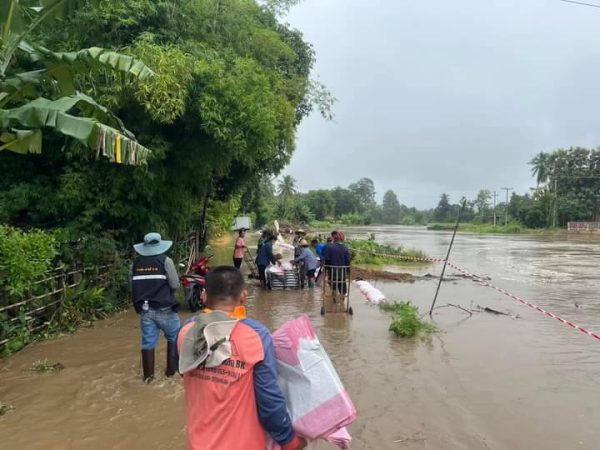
[(229, 373)]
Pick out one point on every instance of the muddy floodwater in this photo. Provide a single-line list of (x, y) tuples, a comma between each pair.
[(523, 381)]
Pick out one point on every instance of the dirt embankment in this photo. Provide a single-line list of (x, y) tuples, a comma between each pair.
[(372, 274)]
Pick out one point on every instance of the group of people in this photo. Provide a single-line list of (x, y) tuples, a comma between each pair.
[(226, 359), (308, 258)]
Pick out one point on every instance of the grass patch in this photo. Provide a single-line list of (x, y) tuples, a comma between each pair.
[(43, 365), (364, 253), (406, 321)]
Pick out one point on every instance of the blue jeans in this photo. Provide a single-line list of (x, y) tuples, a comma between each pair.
[(155, 320)]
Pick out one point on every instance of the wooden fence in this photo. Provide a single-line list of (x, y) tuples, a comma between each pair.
[(44, 300)]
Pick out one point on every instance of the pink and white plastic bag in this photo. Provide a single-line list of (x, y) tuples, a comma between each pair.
[(371, 293), (319, 406)]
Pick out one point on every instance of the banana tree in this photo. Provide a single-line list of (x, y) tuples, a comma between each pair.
[(26, 110)]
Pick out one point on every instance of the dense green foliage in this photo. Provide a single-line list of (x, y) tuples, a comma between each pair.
[(231, 84), (406, 321), (23, 257), (39, 88), (225, 86)]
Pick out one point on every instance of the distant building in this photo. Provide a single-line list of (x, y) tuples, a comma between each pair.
[(583, 226)]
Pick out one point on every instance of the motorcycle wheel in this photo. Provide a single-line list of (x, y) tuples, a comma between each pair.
[(195, 300)]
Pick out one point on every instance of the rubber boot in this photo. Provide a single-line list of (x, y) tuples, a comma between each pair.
[(171, 359), (148, 365)]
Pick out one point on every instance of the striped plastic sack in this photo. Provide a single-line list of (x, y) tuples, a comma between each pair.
[(318, 403)]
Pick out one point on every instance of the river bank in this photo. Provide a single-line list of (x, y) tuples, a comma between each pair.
[(487, 228), (484, 382)]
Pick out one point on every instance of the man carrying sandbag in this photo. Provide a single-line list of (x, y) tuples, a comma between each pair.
[(230, 374)]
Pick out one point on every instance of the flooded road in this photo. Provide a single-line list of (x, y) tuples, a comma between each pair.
[(485, 382)]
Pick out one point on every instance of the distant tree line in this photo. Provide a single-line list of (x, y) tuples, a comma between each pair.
[(352, 205), (568, 189)]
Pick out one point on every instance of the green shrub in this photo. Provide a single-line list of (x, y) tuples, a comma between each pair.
[(365, 252), (355, 219), (24, 256), (406, 321)]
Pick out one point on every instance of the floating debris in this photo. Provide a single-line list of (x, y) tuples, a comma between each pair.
[(5, 407), (43, 365)]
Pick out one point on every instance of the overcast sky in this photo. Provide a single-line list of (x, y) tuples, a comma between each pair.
[(446, 95)]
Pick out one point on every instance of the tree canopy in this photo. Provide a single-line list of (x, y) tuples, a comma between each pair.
[(231, 84)]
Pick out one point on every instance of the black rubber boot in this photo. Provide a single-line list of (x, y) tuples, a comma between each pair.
[(172, 362), (148, 365)]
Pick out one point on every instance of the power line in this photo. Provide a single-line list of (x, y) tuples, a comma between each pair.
[(580, 3)]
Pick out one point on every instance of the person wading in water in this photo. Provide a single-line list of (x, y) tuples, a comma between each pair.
[(264, 258), (153, 281), (229, 373), (239, 249)]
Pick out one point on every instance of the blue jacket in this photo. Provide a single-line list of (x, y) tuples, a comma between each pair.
[(309, 259), (319, 249), (265, 255)]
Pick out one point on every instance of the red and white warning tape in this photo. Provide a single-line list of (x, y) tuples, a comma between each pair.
[(488, 284)]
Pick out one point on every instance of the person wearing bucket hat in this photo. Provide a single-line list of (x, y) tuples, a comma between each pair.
[(153, 281), (229, 373), (299, 235), (309, 261)]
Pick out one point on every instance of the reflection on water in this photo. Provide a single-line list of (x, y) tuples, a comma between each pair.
[(485, 382)]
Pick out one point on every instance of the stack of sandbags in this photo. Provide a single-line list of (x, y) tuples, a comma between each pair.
[(319, 406), (371, 293)]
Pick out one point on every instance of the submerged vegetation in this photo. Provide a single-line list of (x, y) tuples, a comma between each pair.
[(369, 252), (5, 407), (43, 365), (406, 321)]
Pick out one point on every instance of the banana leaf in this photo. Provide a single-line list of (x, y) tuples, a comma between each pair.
[(43, 113), (61, 69), (22, 141), (89, 58)]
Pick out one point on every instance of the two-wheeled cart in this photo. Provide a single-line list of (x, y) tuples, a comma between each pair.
[(336, 290), (251, 263)]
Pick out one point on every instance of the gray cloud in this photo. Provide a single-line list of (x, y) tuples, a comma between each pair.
[(446, 96)]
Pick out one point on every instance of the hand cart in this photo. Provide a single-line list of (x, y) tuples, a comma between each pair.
[(336, 290), (249, 260)]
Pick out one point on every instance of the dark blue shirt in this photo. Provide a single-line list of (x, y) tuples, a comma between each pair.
[(265, 254), (336, 255)]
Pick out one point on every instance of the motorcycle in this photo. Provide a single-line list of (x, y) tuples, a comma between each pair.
[(194, 282)]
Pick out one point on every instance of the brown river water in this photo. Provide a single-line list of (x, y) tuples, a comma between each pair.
[(484, 382)]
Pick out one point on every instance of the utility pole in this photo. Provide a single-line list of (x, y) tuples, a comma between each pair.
[(555, 215), (506, 205), (495, 195)]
